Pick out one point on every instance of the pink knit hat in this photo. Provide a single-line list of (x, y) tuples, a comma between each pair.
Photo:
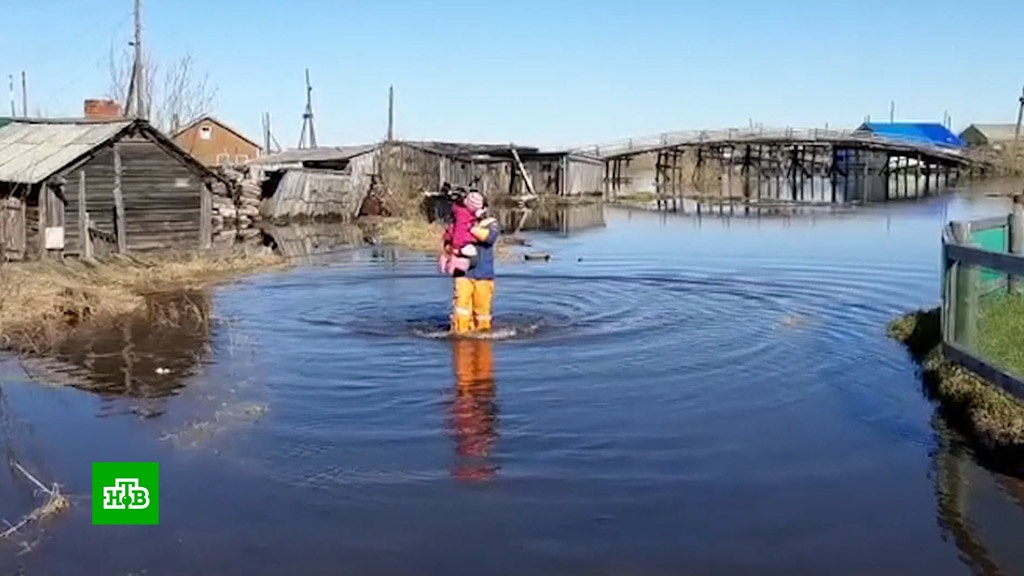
[(474, 201)]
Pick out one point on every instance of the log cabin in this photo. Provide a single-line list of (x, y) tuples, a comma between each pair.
[(92, 186)]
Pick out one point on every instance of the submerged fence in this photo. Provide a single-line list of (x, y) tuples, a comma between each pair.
[(983, 297)]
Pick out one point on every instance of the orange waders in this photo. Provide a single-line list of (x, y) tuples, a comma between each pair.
[(471, 306)]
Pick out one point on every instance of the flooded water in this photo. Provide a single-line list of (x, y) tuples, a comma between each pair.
[(701, 396)]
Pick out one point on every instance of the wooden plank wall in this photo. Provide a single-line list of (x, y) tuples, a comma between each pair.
[(563, 175), (410, 170), (584, 177), (546, 172), (161, 198), (407, 170), (495, 175), (305, 193), (12, 228)]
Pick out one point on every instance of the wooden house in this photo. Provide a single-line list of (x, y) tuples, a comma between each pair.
[(83, 187), (214, 143), (994, 136)]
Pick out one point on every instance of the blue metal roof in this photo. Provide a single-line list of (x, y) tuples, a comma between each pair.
[(918, 132)]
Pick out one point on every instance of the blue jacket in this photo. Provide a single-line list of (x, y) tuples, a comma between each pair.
[(487, 232)]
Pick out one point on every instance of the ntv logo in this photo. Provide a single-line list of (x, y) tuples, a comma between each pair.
[(126, 493)]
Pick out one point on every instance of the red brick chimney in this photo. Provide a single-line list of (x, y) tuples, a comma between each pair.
[(102, 109)]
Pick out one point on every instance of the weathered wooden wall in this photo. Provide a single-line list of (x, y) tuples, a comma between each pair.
[(13, 231), (492, 177), (162, 199), (308, 193), (546, 173), (360, 169), (585, 176), (411, 170), (556, 174)]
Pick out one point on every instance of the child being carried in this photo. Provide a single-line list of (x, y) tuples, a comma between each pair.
[(460, 252)]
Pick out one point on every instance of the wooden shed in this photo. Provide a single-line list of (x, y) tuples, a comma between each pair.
[(83, 187), (332, 181), (564, 174)]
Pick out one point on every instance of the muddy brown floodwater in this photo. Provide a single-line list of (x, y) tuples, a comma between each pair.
[(701, 396)]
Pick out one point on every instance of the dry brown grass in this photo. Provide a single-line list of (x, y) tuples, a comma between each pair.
[(55, 503), (986, 412), (419, 235), (42, 299)]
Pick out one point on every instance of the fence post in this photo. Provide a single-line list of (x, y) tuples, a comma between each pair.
[(948, 294), (1015, 241), (965, 304)]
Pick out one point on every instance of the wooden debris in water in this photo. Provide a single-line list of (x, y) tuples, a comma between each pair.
[(55, 503)]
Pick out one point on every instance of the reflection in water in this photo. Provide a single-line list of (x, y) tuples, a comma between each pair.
[(563, 220), (473, 415), (149, 355), (967, 513), (312, 243)]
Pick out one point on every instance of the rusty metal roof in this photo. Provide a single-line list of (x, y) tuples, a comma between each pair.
[(32, 150)]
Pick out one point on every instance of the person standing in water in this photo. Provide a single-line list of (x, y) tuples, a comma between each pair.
[(474, 288)]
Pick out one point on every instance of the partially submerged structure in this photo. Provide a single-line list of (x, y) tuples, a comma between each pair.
[(90, 186), (332, 181)]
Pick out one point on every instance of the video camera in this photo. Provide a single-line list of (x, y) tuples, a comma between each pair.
[(457, 193)]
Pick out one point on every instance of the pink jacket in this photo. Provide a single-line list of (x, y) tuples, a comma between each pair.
[(457, 234)]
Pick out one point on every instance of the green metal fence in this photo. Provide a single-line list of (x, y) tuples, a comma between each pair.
[(983, 298)]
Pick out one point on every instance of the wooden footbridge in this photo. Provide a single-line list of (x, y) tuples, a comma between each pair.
[(785, 164)]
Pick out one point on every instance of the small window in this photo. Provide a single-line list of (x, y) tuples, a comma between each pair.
[(181, 182), (241, 158), (205, 132), (223, 158)]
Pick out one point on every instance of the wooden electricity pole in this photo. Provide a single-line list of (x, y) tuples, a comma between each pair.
[(136, 103), (391, 113)]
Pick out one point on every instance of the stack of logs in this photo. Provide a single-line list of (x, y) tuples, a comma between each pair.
[(239, 206), (235, 207)]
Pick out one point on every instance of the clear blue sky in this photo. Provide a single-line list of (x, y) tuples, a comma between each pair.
[(543, 72)]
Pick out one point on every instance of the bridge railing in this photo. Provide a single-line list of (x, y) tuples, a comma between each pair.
[(627, 145), (983, 298)]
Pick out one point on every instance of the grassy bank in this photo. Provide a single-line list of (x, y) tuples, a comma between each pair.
[(419, 235), (43, 300), (984, 412), (1001, 331)]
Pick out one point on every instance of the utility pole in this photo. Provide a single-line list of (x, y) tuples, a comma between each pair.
[(136, 105), (266, 132), (10, 79), (1020, 116), (391, 113), (141, 105), (308, 135), (24, 96)]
